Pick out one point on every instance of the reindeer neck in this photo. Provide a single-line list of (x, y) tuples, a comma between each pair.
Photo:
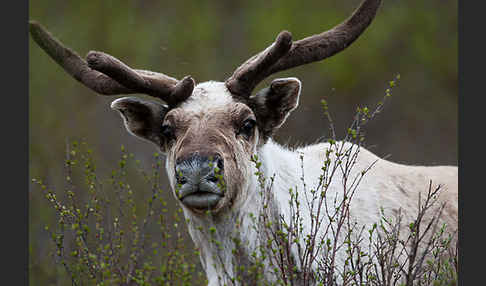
[(229, 242), (226, 242), (281, 164)]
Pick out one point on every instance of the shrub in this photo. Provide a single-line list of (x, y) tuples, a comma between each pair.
[(104, 238), (380, 255)]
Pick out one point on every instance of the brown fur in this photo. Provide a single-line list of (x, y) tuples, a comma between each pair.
[(211, 134)]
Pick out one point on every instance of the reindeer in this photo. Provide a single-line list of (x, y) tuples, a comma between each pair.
[(212, 132)]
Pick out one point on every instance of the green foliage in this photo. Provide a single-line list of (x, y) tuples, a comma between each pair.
[(103, 236), (425, 254), (417, 37)]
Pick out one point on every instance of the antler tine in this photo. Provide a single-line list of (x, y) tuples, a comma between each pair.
[(107, 75), (73, 63), (307, 50), (253, 70), (158, 85), (328, 43)]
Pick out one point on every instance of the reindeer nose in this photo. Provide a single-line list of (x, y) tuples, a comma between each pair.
[(198, 174)]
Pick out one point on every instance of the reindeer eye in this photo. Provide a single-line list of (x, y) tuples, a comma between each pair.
[(247, 128), (167, 131)]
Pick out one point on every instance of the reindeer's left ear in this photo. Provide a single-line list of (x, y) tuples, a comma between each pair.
[(273, 104)]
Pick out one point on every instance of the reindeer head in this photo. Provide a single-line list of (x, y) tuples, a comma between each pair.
[(209, 138), (208, 131)]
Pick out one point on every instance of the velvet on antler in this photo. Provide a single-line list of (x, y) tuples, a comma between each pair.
[(284, 54), (107, 75)]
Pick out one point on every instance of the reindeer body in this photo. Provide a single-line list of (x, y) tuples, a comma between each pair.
[(387, 185), (211, 132)]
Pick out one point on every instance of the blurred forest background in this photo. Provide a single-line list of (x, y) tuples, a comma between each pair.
[(208, 40)]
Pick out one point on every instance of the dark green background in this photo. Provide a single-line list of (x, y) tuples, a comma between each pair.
[(208, 40)]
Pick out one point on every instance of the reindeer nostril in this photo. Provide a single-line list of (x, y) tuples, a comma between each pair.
[(219, 163), (213, 179), (181, 180)]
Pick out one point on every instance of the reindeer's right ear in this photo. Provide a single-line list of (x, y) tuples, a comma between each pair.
[(142, 118)]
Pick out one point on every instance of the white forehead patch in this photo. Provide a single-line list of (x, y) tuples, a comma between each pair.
[(208, 95)]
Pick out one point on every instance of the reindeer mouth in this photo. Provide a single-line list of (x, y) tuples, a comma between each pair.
[(201, 195), (201, 200)]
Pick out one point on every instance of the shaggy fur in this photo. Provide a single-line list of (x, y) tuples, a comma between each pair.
[(207, 123)]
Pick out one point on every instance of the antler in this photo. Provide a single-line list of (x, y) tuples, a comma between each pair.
[(284, 54), (107, 75)]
